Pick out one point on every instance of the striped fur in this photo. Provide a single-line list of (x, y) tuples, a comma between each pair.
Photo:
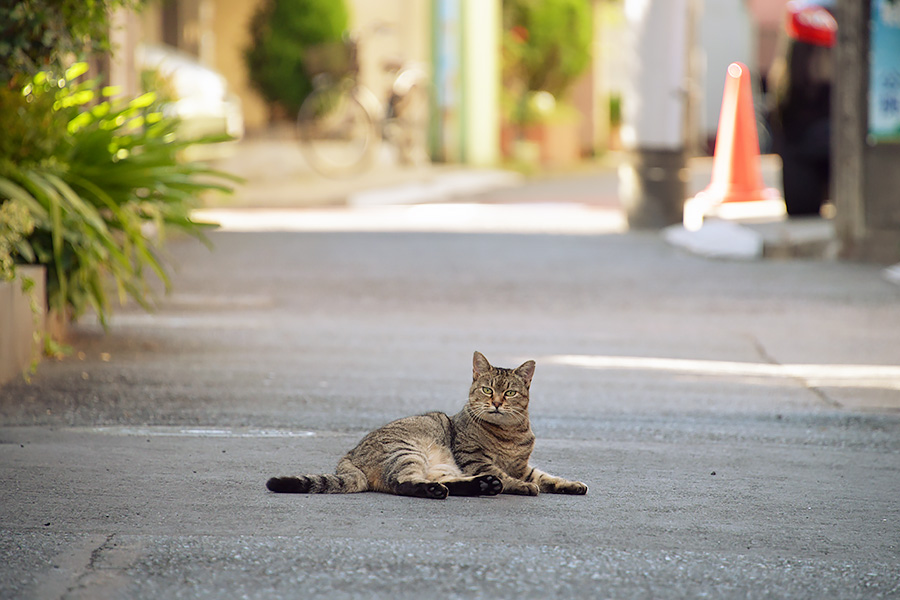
[(482, 450)]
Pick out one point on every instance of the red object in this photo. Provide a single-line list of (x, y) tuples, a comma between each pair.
[(736, 174), (811, 24), (520, 34)]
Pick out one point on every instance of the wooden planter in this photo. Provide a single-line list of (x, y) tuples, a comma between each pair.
[(19, 324), (557, 143)]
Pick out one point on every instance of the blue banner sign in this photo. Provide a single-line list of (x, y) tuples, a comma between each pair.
[(884, 72)]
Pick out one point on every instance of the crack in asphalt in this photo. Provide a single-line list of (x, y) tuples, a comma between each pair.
[(766, 356)]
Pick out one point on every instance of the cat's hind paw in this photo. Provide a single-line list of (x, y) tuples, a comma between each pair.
[(436, 490), (483, 485), (423, 489)]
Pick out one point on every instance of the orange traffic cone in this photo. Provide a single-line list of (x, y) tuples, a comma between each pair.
[(736, 175)]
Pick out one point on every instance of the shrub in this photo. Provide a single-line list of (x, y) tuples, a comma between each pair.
[(281, 33), (546, 47), (91, 173)]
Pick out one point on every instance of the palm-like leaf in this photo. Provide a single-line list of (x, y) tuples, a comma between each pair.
[(116, 170)]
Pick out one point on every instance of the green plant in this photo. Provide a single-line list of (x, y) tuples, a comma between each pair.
[(546, 47), (16, 224), (112, 169), (281, 32), (615, 109)]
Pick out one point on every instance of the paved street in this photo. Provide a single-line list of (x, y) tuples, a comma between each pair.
[(738, 423)]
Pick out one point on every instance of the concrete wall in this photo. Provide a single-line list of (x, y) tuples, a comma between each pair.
[(865, 178), (882, 204), (18, 323), (404, 37), (230, 26)]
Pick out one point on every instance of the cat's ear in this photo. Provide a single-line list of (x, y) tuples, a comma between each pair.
[(480, 365), (526, 371)]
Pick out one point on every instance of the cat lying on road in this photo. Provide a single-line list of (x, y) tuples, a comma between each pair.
[(482, 450)]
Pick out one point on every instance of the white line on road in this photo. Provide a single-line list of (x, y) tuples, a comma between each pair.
[(203, 432), (815, 375)]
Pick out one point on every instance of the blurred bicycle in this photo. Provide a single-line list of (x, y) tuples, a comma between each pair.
[(341, 124)]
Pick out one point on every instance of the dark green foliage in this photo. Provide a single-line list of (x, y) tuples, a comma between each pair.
[(546, 44), (39, 34), (281, 32)]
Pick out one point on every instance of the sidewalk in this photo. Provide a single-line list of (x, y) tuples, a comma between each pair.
[(277, 177), (583, 200)]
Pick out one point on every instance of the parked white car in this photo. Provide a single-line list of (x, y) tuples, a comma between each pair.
[(202, 100)]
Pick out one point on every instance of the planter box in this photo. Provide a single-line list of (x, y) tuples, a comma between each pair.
[(558, 143), (18, 323)]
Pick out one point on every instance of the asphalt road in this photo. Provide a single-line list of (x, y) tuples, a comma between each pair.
[(738, 425)]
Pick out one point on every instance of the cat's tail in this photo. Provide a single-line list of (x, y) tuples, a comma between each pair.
[(347, 480)]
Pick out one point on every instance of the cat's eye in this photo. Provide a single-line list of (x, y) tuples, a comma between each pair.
[(488, 391), (510, 393)]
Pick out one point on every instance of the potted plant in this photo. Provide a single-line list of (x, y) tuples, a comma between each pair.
[(546, 47)]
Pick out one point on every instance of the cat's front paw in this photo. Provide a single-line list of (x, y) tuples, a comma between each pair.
[(575, 487), (522, 488)]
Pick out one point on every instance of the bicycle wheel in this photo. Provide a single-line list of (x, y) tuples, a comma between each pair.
[(409, 125), (338, 136)]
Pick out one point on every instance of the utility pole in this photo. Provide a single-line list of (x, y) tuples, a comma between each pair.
[(653, 182)]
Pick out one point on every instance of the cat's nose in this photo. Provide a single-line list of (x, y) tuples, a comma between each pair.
[(497, 402)]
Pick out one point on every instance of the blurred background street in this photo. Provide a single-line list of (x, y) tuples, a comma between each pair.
[(704, 280)]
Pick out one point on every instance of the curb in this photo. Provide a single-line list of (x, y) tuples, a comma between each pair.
[(439, 188), (810, 237)]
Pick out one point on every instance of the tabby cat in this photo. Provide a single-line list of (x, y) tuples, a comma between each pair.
[(482, 450)]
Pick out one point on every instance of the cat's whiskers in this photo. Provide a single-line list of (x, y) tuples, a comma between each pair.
[(478, 412), (515, 411)]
